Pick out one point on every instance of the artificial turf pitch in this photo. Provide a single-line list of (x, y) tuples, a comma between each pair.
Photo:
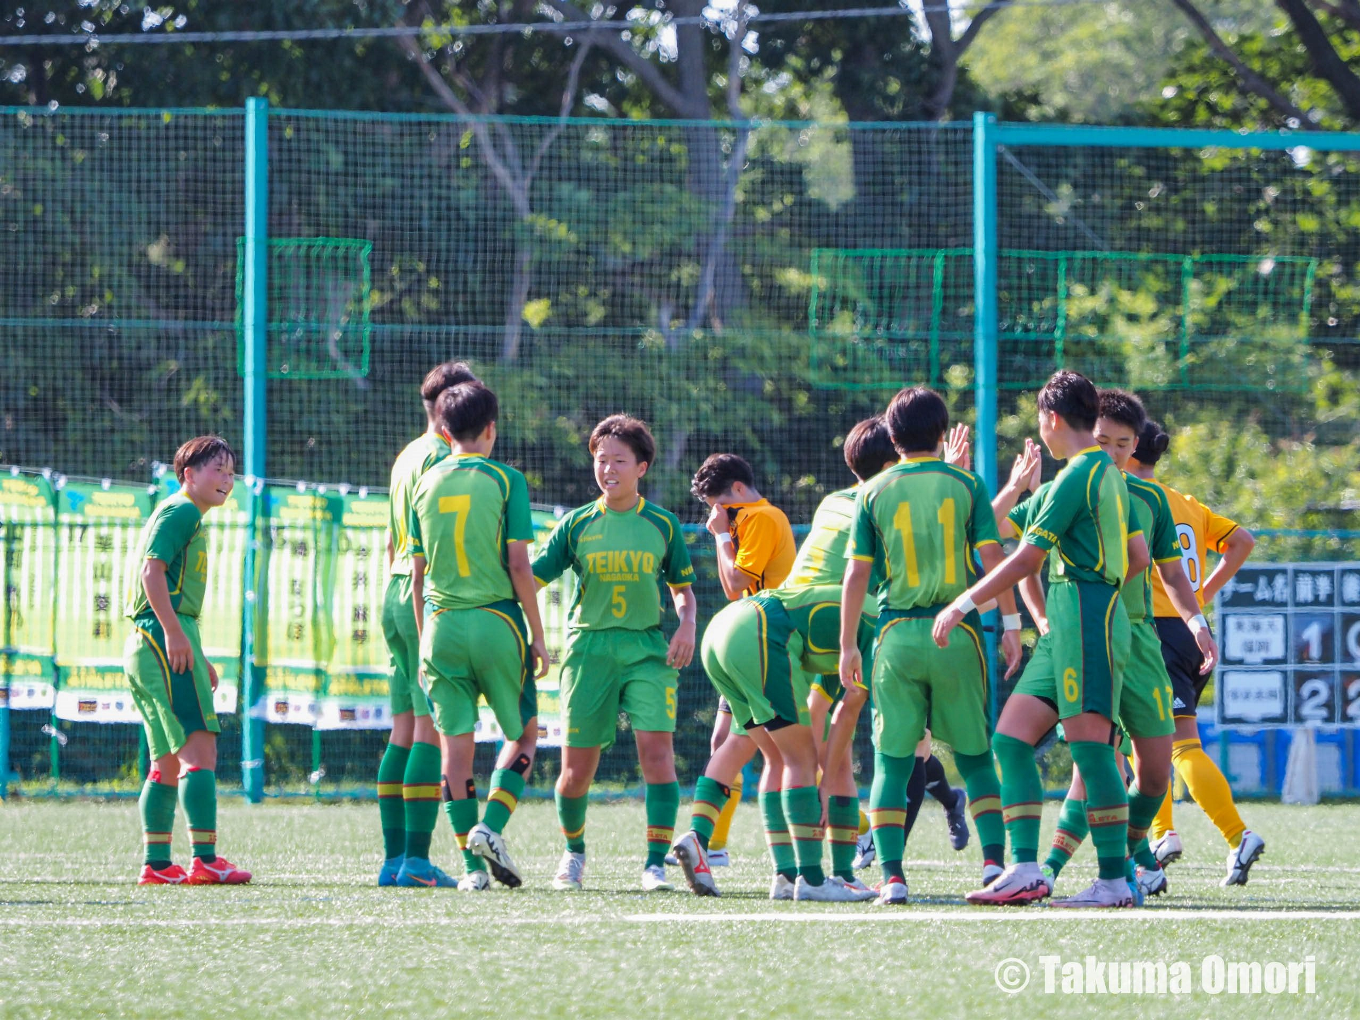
[(314, 937)]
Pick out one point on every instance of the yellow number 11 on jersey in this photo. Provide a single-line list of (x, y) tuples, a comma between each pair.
[(459, 506), (902, 523)]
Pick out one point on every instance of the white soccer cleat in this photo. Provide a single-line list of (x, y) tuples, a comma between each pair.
[(474, 881), (654, 879), (892, 893), (1018, 884), (864, 851), (490, 846), (1103, 892), (864, 892), (718, 859), (571, 869), (693, 860), (781, 888), (1240, 860), (832, 890), (671, 861), (1167, 849), (1152, 881), (990, 873)]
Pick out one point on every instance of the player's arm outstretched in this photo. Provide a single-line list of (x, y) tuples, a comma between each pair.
[(1024, 478)]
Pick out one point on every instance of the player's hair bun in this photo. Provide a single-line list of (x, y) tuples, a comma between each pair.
[(1152, 443)]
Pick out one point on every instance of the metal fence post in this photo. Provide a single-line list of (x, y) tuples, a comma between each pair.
[(254, 317), (985, 333)]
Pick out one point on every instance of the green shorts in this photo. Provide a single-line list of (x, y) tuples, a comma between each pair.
[(1146, 700), (403, 648), (746, 655), (172, 705), (919, 685), (829, 686), (605, 671), (467, 653), (1078, 666)]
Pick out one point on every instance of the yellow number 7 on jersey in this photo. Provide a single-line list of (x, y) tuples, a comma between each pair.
[(459, 507)]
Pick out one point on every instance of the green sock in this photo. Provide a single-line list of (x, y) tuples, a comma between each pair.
[(1107, 805), (462, 816), (803, 810), (391, 804), (157, 804), (709, 798), (198, 794), (888, 810), (984, 803), (663, 804), (1022, 795), (842, 816), (420, 798), (777, 834), (1072, 829), (506, 786), (1142, 810), (571, 815)]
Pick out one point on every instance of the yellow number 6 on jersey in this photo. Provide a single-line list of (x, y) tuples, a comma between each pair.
[(1071, 690)]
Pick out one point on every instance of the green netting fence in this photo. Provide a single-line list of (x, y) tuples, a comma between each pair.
[(753, 287)]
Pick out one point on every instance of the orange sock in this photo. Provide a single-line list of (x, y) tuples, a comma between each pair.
[(1209, 788)]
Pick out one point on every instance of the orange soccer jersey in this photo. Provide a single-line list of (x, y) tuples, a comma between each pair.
[(1197, 528), (764, 543)]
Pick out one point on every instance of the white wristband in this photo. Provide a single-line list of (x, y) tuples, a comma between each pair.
[(1198, 623), (964, 604), (724, 538), (1010, 621)]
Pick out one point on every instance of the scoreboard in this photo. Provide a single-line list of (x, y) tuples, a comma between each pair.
[(1289, 634)]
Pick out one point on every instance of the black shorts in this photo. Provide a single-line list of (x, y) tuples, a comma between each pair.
[(1183, 660)]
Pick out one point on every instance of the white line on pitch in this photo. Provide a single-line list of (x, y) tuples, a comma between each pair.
[(1028, 915)]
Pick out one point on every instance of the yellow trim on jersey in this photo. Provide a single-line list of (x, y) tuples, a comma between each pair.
[(917, 460), (164, 661), (1168, 559), (985, 541), (860, 558), (1089, 449)]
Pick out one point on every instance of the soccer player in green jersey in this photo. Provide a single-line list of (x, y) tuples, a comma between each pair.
[(1081, 527), (620, 548), (408, 776), (920, 522), (473, 589), (759, 653), (834, 712), (172, 680), (1145, 703)]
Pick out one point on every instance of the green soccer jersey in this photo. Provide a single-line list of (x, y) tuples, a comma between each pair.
[(919, 522), (821, 557), (1023, 513), (418, 457), (1151, 514), (619, 558), (465, 512), (814, 614), (174, 535), (1085, 517)]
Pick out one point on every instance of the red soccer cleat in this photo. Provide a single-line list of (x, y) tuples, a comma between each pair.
[(173, 875), (219, 872)]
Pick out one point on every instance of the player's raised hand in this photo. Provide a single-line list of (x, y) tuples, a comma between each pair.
[(945, 623), (718, 523), (681, 651), (1025, 470), (179, 651), (1204, 638), (852, 667), (957, 450), (538, 655), (1010, 648)]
